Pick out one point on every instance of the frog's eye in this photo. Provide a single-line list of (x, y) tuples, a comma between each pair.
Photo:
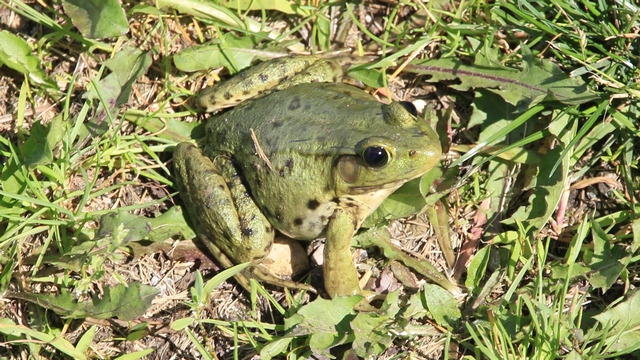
[(409, 107), (376, 156)]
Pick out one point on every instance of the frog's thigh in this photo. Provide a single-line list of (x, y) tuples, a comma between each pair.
[(223, 212)]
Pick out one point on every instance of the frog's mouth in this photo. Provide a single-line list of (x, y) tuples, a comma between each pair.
[(390, 187)]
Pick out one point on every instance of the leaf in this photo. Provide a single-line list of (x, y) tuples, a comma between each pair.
[(326, 321), (287, 7), (16, 54), (442, 306), (97, 19), (538, 80), (121, 301), (231, 51), (371, 330), (39, 147), (165, 226), (114, 90), (622, 325), (405, 201), (171, 129)]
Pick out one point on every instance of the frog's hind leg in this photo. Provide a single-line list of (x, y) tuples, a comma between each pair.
[(225, 216)]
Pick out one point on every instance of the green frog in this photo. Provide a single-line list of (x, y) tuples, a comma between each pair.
[(303, 155)]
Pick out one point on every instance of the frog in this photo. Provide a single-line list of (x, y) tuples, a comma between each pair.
[(299, 154)]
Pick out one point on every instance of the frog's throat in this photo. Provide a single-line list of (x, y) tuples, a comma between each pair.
[(386, 187)]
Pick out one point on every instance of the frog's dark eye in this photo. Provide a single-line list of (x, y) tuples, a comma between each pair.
[(409, 107), (376, 156)]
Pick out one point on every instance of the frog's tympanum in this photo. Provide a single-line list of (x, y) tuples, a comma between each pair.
[(308, 158)]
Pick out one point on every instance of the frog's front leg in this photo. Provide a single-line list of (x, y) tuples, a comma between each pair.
[(340, 275), (226, 218)]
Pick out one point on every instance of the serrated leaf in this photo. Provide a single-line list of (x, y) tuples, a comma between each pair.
[(16, 54), (538, 79), (97, 19), (121, 301), (167, 225)]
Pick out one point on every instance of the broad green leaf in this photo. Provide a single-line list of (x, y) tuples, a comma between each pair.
[(121, 301), (623, 325), (405, 201), (167, 225), (275, 348), (172, 129), (114, 90), (39, 147), (442, 306), (97, 19), (16, 54), (538, 80), (231, 51)]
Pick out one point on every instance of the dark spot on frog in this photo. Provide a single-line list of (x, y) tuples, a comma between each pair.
[(268, 229), (297, 221), (323, 219), (276, 124), (294, 104), (278, 216), (289, 163), (313, 204), (230, 185), (337, 97), (246, 231), (246, 92), (221, 187), (336, 200), (282, 174), (227, 95), (264, 77)]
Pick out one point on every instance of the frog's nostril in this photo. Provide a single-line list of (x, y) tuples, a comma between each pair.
[(412, 153)]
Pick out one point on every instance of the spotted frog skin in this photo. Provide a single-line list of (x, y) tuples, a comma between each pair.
[(308, 158)]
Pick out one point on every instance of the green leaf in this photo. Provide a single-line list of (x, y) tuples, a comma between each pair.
[(231, 51), (126, 66), (538, 80), (165, 226), (16, 54), (622, 325), (121, 301), (442, 306), (405, 201), (97, 19), (39, 147), (326, 321)]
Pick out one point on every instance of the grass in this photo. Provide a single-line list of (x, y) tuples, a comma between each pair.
[(533, 210)]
